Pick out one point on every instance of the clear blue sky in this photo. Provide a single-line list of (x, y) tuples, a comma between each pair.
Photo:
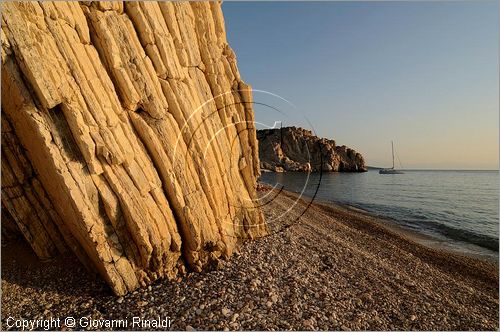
[(422, 73)]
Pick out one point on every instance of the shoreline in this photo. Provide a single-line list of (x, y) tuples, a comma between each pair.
[(429, 240), (436, 241), (330, 269)]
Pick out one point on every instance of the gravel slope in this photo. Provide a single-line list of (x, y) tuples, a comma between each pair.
[(332, 269)]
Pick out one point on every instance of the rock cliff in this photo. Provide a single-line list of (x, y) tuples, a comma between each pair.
[(127, 137), (297, 149)]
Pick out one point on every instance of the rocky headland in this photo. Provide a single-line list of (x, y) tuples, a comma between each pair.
[(298, 150)]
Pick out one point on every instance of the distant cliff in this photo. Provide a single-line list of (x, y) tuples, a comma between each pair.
[(297, 149)]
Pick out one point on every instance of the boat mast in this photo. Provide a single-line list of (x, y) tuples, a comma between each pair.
[(392, 145)]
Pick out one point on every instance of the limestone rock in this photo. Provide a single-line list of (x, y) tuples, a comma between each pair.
[(297, 149), (127, 136)]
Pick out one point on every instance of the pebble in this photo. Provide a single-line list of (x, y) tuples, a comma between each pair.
[(120, 299), (190, 328), (142, 303)]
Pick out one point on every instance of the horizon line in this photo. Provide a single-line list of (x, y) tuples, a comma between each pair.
[(438, 169)]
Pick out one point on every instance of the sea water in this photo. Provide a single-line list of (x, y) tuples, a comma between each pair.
[(459, 208)]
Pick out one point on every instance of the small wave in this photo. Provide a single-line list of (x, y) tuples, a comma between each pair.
[(419, 220), (482, 240)]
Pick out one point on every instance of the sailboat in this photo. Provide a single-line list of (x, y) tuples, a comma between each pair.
[(391, 170)]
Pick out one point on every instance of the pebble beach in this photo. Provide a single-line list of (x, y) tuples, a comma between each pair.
[(331, 269)]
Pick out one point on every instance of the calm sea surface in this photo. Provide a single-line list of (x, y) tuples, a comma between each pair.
[(459, 208)]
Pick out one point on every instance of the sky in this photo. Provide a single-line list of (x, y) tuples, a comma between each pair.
[(424, 74)]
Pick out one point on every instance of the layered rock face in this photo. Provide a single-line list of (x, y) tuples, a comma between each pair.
[(127, 137), (297, 149)]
